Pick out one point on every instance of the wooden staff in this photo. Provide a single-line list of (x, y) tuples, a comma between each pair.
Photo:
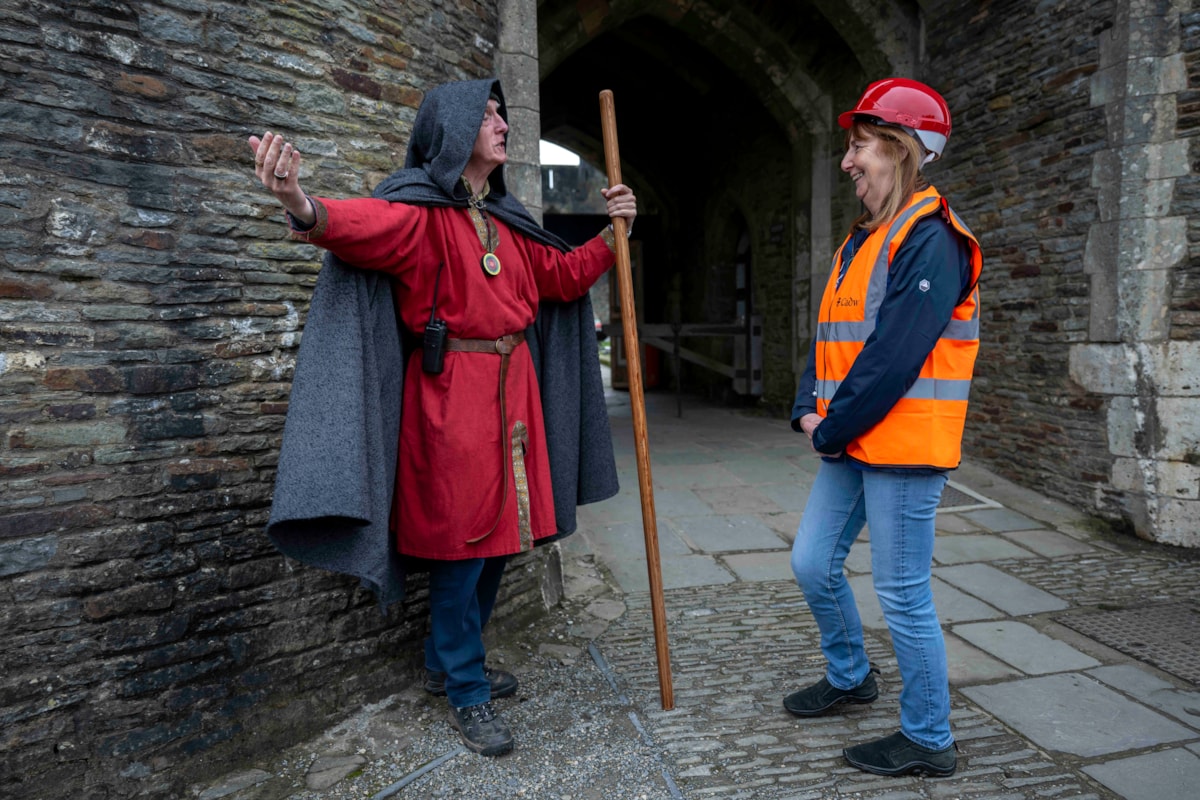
[(612, 158)]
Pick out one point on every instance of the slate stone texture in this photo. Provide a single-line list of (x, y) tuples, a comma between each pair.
[(150, 312)]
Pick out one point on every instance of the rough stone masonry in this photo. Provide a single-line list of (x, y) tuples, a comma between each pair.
[(150, 310)]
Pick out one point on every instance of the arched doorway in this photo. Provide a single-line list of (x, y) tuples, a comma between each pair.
[(725, 111)]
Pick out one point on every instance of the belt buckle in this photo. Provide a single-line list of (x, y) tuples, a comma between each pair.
[(504, 346)]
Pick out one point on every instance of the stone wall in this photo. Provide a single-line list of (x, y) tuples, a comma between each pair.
[(150, 310), (1070, 158), (1018, 169)]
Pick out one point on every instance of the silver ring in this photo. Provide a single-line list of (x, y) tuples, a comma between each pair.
[(280, 177)]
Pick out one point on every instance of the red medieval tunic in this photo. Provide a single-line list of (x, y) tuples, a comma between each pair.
[(452, 499)]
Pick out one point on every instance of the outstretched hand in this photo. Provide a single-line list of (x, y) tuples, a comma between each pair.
[(277, 165), (621, 202)]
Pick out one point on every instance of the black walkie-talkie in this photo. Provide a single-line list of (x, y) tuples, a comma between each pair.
[(433, 342)]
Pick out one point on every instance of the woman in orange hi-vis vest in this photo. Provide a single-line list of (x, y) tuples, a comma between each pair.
[(883, 400)]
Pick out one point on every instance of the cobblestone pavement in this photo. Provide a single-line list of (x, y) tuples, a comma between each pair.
[(1074, 654)]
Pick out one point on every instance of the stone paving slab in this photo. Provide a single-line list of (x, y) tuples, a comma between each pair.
[(1024, 647), (1074, 714), (784, 524), (967, 664), (769, 467), (678, 503), (627, 541), (728, 500), (666, 459), (1000, 589), (948, 522), (1001, 519), (1139, 683), (983, 547), (690, 571), (726, 533), (1166, 774), (788, 497), (765, 566), (859, 560), (1050, 544), (676, 573), (696, 476)]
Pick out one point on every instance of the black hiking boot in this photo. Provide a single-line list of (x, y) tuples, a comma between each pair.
[(822, 697), (482, 729), (899, 755), (504, 684)]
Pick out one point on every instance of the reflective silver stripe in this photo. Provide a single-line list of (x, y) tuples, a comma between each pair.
[(844, 331), (877, 288), (826, 389), (961, 330), (964, 329), (858, 331), (958, 330), (923, 389), (958, 221), (935, 389)]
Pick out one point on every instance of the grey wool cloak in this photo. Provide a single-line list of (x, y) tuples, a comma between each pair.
[(337, 462)]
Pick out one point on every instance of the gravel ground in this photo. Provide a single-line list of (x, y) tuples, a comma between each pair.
[(577, 735)]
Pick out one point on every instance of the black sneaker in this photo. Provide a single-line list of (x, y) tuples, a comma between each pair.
[(482, 729), (821, 697), (899, 755), (504, 684)]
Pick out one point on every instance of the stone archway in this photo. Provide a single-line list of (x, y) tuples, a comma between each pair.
[(756, 85)]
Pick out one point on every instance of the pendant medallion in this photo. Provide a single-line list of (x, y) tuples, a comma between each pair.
[(491, 264)]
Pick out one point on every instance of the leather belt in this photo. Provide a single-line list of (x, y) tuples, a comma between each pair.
[(504, 346)]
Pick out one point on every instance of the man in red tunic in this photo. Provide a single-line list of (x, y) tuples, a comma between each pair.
[(473, 482)]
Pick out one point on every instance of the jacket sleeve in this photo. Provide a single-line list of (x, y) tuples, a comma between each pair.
[(927, 279), (806, 395)]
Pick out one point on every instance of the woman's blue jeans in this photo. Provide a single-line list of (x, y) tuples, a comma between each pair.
[(898, 509), (461, 597)]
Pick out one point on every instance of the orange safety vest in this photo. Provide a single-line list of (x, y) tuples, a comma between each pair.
[(924, 428)]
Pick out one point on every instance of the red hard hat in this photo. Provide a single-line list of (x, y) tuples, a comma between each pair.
[(909, 104)]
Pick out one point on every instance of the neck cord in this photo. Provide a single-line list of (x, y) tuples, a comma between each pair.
[(478, 204), (475, 202)]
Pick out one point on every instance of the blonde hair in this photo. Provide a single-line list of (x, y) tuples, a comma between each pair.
[(906, 154)]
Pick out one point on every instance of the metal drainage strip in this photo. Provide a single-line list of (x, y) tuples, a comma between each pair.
[(956, 497), (1167, 636)]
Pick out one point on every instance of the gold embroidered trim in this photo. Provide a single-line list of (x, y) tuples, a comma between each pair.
[(609, 238), (520, 442), (319, 226), (481, 230), (474, 203)]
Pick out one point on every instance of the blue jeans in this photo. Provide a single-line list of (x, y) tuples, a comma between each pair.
[(461, 597), (899, 510)]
